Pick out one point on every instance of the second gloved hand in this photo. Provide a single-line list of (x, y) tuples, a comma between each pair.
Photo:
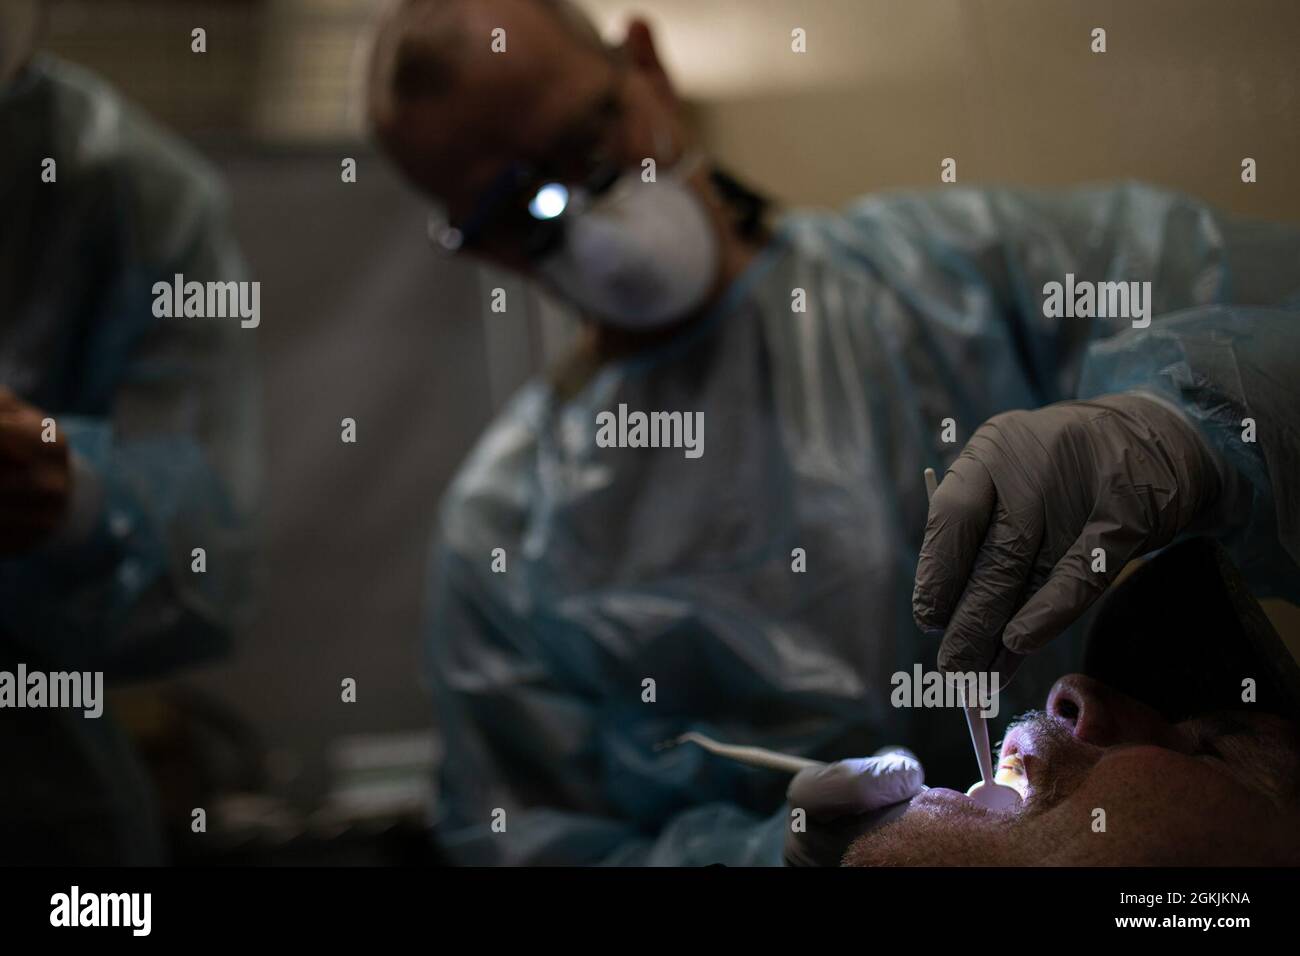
[(1010, 554), (843, 800)]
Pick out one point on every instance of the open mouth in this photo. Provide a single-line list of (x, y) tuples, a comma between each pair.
[(1011, 773), (1012, 769)]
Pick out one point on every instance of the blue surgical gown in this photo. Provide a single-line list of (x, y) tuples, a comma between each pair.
[(626, 565), (159, 416)]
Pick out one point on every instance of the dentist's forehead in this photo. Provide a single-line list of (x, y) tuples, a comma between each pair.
[(477, 83)]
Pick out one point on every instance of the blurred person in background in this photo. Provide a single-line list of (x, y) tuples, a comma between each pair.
[(154, 450), (824, 355)]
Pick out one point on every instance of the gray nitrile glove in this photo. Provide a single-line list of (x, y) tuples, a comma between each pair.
[(1008, 557), (843, 800)]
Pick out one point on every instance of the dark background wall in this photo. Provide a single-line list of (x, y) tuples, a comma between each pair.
[(359, 322)]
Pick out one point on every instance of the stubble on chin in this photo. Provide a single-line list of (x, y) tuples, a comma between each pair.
[(923, 840)]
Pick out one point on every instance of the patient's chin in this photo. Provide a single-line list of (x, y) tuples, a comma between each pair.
[(905, 842), (880, 847), (922, 840)]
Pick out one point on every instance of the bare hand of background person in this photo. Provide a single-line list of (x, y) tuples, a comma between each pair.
[(35, 476)]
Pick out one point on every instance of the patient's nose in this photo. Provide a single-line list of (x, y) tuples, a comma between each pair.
[(1102, 716)]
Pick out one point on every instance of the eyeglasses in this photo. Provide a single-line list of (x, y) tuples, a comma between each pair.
[(525, 204), (528, 201)]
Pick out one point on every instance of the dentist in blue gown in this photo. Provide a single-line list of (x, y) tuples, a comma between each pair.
[(770, 588)]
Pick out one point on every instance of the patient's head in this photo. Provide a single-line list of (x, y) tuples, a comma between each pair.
[(1220, 789)]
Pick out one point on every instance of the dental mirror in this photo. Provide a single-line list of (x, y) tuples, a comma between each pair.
[(986, 792)]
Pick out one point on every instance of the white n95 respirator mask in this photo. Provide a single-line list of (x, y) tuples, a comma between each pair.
[(640, 254)]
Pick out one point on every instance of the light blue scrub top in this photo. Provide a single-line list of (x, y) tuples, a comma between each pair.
[(633, 564)]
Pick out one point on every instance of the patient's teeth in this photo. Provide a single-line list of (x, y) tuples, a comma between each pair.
[(1011, 773)]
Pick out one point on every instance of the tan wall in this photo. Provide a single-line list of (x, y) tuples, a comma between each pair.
[(887, 88), (1010, 89)]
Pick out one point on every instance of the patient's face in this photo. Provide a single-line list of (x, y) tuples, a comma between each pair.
[(1222, 789)]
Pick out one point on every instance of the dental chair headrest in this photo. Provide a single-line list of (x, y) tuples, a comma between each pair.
[(1182, 633)]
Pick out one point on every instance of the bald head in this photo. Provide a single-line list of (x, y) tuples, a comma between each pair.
[(450, 80), (482, 102)]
